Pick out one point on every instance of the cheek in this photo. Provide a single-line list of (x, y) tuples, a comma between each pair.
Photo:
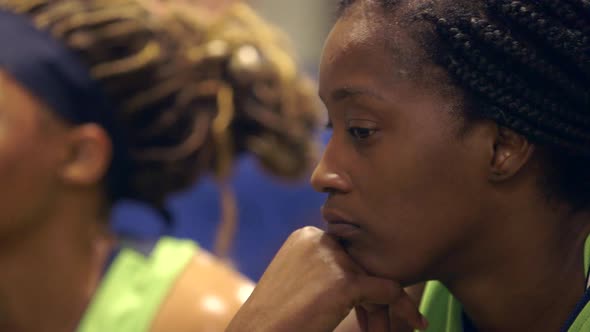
[(25, 175), (421, 178), (423, 200)]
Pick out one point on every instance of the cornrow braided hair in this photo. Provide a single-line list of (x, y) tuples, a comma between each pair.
[(190, 96), (524, 64)]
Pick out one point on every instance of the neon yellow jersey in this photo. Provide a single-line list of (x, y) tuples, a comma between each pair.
[(444, 312), (135, 286)]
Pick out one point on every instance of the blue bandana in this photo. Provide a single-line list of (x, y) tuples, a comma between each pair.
[(52, 73)]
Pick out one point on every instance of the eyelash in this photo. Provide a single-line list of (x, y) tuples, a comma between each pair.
[(360, 133), (356, 132)]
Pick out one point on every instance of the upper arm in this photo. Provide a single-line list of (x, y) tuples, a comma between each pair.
[(204, 298)]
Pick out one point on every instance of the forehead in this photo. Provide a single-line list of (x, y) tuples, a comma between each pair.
[(18, 104), (14, 95), (369, 46)]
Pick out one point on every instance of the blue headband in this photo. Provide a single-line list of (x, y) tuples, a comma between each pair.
[(52, 73)]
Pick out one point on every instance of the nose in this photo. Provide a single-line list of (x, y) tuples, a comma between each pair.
[(328, 177)]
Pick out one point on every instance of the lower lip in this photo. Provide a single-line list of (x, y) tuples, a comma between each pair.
[(342, 230)]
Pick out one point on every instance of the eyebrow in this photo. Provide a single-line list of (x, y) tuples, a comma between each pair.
[(351, 92)]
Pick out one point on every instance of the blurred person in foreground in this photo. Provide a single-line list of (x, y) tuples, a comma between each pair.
[(102, 101)]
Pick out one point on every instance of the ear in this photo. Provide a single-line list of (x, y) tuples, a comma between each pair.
[(88, 157), (511, 152)]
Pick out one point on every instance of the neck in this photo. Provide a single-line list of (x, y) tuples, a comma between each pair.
[(527, 274), (49, 275)]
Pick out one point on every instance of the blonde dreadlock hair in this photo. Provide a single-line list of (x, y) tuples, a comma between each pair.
[(277, 114), (189, 96)]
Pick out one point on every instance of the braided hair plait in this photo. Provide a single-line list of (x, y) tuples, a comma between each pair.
[(511, 112), (571, 44), (567, 13), (507, 90), (523, 58)]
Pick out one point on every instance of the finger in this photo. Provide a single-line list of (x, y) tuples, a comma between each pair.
[(362, 318), (407, 311), (378, 319), (398, 324), (372, 290)]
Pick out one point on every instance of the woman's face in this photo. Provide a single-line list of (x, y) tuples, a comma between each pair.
[(396, 165), (30, 152)]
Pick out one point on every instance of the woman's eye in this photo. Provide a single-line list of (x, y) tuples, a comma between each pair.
[(361, 133)]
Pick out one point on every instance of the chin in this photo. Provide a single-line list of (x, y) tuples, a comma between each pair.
[(397, 270)]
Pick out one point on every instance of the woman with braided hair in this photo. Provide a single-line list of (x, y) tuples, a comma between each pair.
[(460, 153), (107, 100)]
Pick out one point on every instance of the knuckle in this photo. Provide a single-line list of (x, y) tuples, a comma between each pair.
[(394, 290), (305, 234), (310, 231), (306, 231)]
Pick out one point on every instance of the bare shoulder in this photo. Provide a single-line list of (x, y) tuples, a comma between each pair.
[(205, 297)]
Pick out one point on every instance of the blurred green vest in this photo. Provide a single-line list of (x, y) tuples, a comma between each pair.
[(135, 286)]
